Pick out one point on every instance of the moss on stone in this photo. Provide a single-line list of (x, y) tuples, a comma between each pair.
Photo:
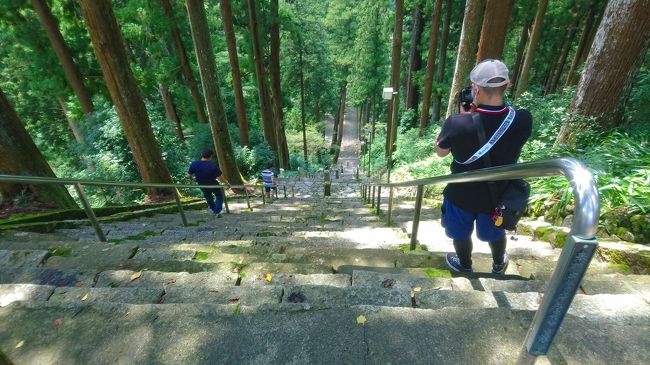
[(62, 251), (200, 256), (437, 273)]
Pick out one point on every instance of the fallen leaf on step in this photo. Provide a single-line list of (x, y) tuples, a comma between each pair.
[(170, 281), (136, 275), (57, 322), (212, 290), (20, 344), (417, 289), (234, 298), (268, 277), (84, 297), (361, 319)]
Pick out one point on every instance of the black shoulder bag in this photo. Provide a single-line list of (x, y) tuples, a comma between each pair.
[(511, 204)]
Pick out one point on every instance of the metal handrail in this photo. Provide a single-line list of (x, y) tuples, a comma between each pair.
[(78, 183), (576, 254)]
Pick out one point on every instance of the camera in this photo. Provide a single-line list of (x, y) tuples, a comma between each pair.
[(465, 98)]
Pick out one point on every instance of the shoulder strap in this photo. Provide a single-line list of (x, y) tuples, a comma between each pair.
[(476, 117), (495, 137)]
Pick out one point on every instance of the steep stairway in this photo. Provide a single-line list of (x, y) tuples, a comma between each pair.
[(306, 279)]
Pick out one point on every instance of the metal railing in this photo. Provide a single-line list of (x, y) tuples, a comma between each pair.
[(78, 186), (576, 254)]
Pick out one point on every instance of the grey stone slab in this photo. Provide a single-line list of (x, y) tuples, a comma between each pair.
[(337, 280), (175, 266), (140, 279), (258, 268), (162, 254), (204, 280), (605, 305), (376, 279), (10, 293), (55, 277), (105, 257), (512, 286), (329, 297), (115, 295), (22, 258), (437, 299), (224, 295)]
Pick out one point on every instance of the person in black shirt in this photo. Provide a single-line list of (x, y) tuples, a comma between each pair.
[(206, 172), (467, 203)]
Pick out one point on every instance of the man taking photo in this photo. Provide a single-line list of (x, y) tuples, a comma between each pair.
[(467, 204)]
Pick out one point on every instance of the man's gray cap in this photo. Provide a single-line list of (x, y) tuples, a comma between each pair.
[(490, 73)]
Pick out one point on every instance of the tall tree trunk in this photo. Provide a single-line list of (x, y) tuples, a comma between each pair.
[(522, 82), (337, 119), (442, 60), (213, 100), (467, 47), (493, 32), (582, 46), (431, 60), (109, 48), (185, 64), (70, 70), (563, 56), (240, 108), (614, 60), (415, 61), (302, 104), (274, 66), (266, 110), (521, 48), (74, 126), (20, 156), (391, 128), (170, 111)]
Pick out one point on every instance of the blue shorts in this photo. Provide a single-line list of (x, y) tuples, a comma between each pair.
[(459, 224)]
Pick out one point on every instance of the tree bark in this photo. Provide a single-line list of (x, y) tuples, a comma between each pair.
[(302, 104), (415, 61), (240, 108), (337, 119), (70, 70), (185, 64), (109, 48), (442, 60), (170, 111), (274, 65), (74, 126), (213, 100), (391, 128), (467, 47), (582, 46), (613, 62), (431, 60), (521, 47), (522, 82), (265, 109), (20, 156), (557, 74), (493, 32)]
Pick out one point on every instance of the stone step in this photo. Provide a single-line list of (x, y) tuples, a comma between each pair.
[(132, 334), (99, 257), (235, 295), (10, 293), (22, 258), (113, 295), (164, 280), (43, 276), (336, 280)]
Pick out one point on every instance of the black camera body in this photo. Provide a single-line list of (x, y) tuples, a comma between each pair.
[(465, 98)]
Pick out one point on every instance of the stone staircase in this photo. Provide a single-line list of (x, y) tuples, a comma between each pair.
[(305, 279)]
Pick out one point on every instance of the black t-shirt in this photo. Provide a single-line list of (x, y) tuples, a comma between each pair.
[(459, 133)]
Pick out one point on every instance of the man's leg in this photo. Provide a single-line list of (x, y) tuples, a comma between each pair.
[(218, 205), (459, 225), (496, 237), (207, 194)]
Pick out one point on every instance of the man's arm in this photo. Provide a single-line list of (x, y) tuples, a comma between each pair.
[(441, 152)]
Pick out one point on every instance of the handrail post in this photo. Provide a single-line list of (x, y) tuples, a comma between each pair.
[(248, 198), (327, 185), (180, 207), (416, 217), (389, 214), (293, 193), (89, 212), (378, 199), (225, 199), (372, 197), (284, 189)]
